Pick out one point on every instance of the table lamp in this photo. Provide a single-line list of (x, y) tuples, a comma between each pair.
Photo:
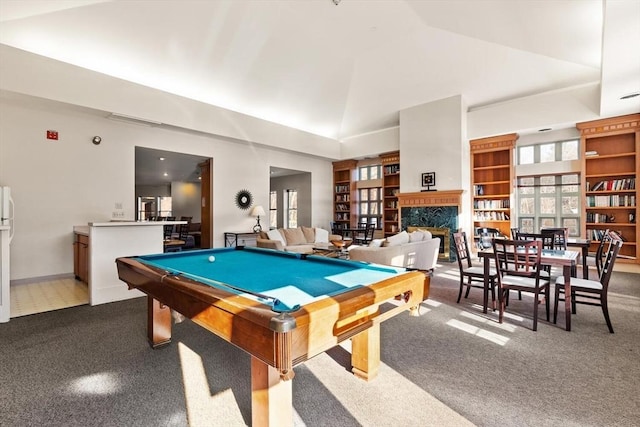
[(257, 211)]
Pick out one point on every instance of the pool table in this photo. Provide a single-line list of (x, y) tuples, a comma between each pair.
[(281, 308)]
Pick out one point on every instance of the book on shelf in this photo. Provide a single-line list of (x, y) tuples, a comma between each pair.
[(591, 153), (613, 185), (614, 200)]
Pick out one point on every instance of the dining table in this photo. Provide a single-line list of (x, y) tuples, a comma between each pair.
[(566, 259)]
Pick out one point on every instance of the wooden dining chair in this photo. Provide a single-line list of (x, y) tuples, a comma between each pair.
[(518, 266), (590, 292), (554, 238), (473, 276)]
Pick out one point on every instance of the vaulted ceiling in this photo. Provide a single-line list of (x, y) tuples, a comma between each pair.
[(346, 69)]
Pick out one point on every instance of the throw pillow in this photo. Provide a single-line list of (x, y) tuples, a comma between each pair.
[(398, 239), (294, 236), (275, 235), (309, 234), (376, 243), (322, 235), (427, 233), (416, 236)]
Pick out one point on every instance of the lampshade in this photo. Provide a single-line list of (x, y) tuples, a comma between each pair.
[(257, 211)]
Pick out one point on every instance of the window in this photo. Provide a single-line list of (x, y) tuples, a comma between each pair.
[(549, 201), (151, 207), (548, 152), (292, 209), (526, 155), (370, 194), (370, 172), (370, 203), (273, 209), (549, 195)]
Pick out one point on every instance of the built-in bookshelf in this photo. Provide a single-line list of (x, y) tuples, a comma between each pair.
[(492, 177), (611, 163), (390, 189), (343, 193)]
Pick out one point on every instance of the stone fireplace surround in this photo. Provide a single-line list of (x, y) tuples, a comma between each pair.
[(434, 210)]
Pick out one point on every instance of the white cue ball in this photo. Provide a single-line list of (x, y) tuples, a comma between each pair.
[(212, 258)]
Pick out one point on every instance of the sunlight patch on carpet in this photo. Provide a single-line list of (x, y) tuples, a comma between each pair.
[(479, 332), (491, 322), (103, 383), (201, 406), (390, 390)]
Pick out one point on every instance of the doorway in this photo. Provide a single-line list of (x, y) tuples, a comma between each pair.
[(173, 185), (282, 182)]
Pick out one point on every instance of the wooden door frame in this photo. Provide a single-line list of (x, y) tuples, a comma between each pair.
[(206, 196)]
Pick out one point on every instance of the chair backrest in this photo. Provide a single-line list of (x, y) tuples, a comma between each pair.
[(462, 249), (601, 251), (368, 236), (610, 259), (486, 235), (520, 235), (333, 228), (514, 232), (518, 257), (183, 231), (168, 231), (554, 238)]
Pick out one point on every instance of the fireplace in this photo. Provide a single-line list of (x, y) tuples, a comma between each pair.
[(433, 210)]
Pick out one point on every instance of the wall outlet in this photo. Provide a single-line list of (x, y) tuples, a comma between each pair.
[(117, 214)]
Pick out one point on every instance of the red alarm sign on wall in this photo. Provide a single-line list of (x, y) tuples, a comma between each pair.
[(52, 134)]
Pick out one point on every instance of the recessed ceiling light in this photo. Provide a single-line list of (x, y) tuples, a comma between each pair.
[(165, 174), (161, 158), (544, 130), (630, 95)]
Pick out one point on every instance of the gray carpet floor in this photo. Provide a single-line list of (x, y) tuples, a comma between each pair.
[(452, 366)]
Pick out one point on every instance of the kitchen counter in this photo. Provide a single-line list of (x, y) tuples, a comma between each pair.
[(110, 240), (133, 223)]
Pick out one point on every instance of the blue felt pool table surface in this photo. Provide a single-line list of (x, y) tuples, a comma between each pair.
[(293, 279)]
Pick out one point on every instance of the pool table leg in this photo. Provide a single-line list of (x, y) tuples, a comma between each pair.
[(271, 397), (365, 353), (158, 323)]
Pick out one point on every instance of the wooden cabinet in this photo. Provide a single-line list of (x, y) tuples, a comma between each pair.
[(610, 164), (492, 180), (344, 194), (390, 190), (81, 257)]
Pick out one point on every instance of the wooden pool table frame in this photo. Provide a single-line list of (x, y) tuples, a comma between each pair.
[(249, 325)]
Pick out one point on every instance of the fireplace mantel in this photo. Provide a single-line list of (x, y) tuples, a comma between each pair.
[(431, 198), (436, 209)]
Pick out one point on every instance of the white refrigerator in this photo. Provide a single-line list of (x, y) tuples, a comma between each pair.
[(6, 234)]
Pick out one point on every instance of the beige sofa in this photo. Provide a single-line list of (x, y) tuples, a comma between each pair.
[(300, 239), (418, 250)]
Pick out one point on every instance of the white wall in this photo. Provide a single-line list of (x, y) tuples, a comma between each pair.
[(558, 109), (35, 75), (431, 140), (185, 200), (57, 185), (373, 143)]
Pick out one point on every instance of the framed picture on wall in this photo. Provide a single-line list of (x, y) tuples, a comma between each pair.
[(428, 179)]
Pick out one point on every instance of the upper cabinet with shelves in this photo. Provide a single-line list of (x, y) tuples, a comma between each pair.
[(611, 163), (390, 189), (492, 177), (344, 193)]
